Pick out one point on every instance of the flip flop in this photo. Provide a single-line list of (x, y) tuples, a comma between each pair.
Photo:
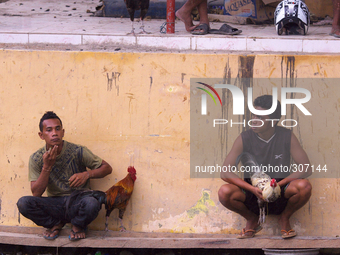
[(253, 231), (74, 234), (201, 29), (225, 29), (335, 33), (244, 232), (50, 232), (288, 234)]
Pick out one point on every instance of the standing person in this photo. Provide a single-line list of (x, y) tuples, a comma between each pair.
[(336, 19), (184, 14), (60, 167), (270, 145)]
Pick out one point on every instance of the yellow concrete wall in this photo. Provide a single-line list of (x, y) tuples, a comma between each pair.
[(133, 109)]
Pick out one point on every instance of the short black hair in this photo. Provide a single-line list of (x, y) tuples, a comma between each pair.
[(266, 102), (48, 115)]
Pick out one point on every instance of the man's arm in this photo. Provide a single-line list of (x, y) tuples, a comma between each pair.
[(79, 179), (231, 177), (300, 159), (38, 187)]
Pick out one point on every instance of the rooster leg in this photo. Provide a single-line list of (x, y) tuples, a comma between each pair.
[(262, 215), (143, 30), (107, 223), (122, 228), (132, 30)]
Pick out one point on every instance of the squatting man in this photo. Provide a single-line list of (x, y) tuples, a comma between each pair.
[(265, 141), (60, 167)]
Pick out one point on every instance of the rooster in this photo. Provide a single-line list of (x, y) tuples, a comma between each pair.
[(132, 6), (269, 187), (118, 196)]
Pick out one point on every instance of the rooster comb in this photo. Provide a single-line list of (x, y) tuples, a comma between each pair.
[(131, 170)]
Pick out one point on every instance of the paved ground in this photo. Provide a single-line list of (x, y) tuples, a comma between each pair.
[(66, 25)]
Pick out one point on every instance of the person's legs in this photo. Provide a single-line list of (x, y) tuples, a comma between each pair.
[(48, 212), (81, 213), (336, 18), (184, 13), (233, 198), (298, 193), (203, 12)]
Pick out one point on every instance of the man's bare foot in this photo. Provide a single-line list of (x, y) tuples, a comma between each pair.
[(53, 233), (186, 19), (77, 233)]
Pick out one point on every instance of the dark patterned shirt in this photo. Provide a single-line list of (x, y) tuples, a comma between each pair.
[(72, 159)]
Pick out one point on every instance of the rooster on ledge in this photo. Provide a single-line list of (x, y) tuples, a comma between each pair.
[(118, 196), (132, 6)]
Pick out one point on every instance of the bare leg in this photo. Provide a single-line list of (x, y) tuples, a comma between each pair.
[(184, 13), (298, 193), (203, 12), (233, 198), (336, 18)]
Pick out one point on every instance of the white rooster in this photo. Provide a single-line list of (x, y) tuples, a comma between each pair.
[(270, 189)]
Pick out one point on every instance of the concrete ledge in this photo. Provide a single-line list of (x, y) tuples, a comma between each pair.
[(183, 42), (101, 239)]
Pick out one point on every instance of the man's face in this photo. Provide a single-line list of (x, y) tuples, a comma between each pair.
[(52, 133), (267, 125)]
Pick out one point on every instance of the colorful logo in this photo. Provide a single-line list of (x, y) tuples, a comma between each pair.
[(204, 97)]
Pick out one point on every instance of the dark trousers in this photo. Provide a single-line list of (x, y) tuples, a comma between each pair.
[(51, 211)]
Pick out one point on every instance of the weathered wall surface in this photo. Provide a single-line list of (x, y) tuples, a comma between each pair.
[(320, 8), (133, 109)]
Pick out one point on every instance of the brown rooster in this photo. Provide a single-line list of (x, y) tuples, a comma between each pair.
[(132, 6), (117, 197)]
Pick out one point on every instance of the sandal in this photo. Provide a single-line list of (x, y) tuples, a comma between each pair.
[(74, 238), (336, 34), (225, 29), (201, 29), (49, 231), (288, 234), (252, 231)]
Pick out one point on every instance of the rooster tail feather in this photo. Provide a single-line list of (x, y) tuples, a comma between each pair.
[(247, 159), (100, 196)]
